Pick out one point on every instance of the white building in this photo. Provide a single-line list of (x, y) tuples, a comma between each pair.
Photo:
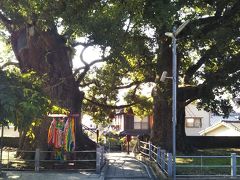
[(196, 120), (223, 128), (203, 123)]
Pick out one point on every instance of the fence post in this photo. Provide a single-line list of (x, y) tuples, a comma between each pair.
[(169, 164), (162, 152), (138, 145), (233, 164), (98, 165), (150, 150), (37, 158), (102, 151), (158, 155)]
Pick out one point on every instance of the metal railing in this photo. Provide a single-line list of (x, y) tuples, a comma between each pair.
[(224, 166), (90, 160), (192, 166), (158, 155)]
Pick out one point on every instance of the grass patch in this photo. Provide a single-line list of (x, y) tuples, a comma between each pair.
[(210, 165)]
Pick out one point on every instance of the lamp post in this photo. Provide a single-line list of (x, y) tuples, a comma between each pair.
[(173, 35)]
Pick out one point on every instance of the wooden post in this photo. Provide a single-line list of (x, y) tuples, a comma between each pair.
[(97, 135), (128, 141), (98, 165), (138, 144), (233, 165), (37, 158)]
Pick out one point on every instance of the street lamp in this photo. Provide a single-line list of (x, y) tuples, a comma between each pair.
[(173, 35)]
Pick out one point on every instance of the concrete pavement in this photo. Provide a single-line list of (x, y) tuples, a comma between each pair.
[(124, 166), (27, 175), (119, 166)]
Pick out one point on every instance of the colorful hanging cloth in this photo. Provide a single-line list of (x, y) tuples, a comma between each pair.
[(51, 132), (69, 133), (55, 133)]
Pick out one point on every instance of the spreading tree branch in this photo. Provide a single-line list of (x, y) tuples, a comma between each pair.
[(135, 83), (212, 23), (110, 106), (219, 78), (209, 24), (192, 69), (86, 66)]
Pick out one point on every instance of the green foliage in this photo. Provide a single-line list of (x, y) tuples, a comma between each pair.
[(58, 110), (21, 99), (133, 31)]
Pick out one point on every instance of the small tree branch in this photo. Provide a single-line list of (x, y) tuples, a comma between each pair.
[(10, 64), (110, 106), (192, 69), (83, 74), (86, 68), (81, 55), (137, 83), (75, 44)]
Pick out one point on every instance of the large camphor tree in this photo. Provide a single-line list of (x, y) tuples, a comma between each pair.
[(39, 47), (208, 64), (132, 37)]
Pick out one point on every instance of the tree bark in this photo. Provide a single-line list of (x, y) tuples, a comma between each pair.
[(161, 133), (46, 53), (181, 143)]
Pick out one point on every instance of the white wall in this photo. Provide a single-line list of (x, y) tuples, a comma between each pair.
[(192, 111), (119, 120), (9, 132)]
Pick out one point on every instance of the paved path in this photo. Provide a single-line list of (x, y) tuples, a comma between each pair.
[(25, 175), (119, 166), (123, 166)]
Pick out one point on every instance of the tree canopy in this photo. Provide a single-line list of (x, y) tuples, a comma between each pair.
[(21, 99), (132, 37)]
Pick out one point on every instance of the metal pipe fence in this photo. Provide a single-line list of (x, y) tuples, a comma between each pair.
[(158, 155), (192, 166), (224, 166), (89, 160)]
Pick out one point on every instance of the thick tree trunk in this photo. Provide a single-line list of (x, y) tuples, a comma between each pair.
[(162, 125), (181, 141), (47, 54), (162, 111)]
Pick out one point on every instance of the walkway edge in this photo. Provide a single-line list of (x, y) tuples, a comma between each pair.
[(104, 170), (149, 170), (156, 171)]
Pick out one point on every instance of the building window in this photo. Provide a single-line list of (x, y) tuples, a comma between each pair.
[(140, 125), (193, 122)]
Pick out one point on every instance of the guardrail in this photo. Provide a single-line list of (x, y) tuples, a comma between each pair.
[(41, 160), (160, 156), (224, 166), (192, 166)]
